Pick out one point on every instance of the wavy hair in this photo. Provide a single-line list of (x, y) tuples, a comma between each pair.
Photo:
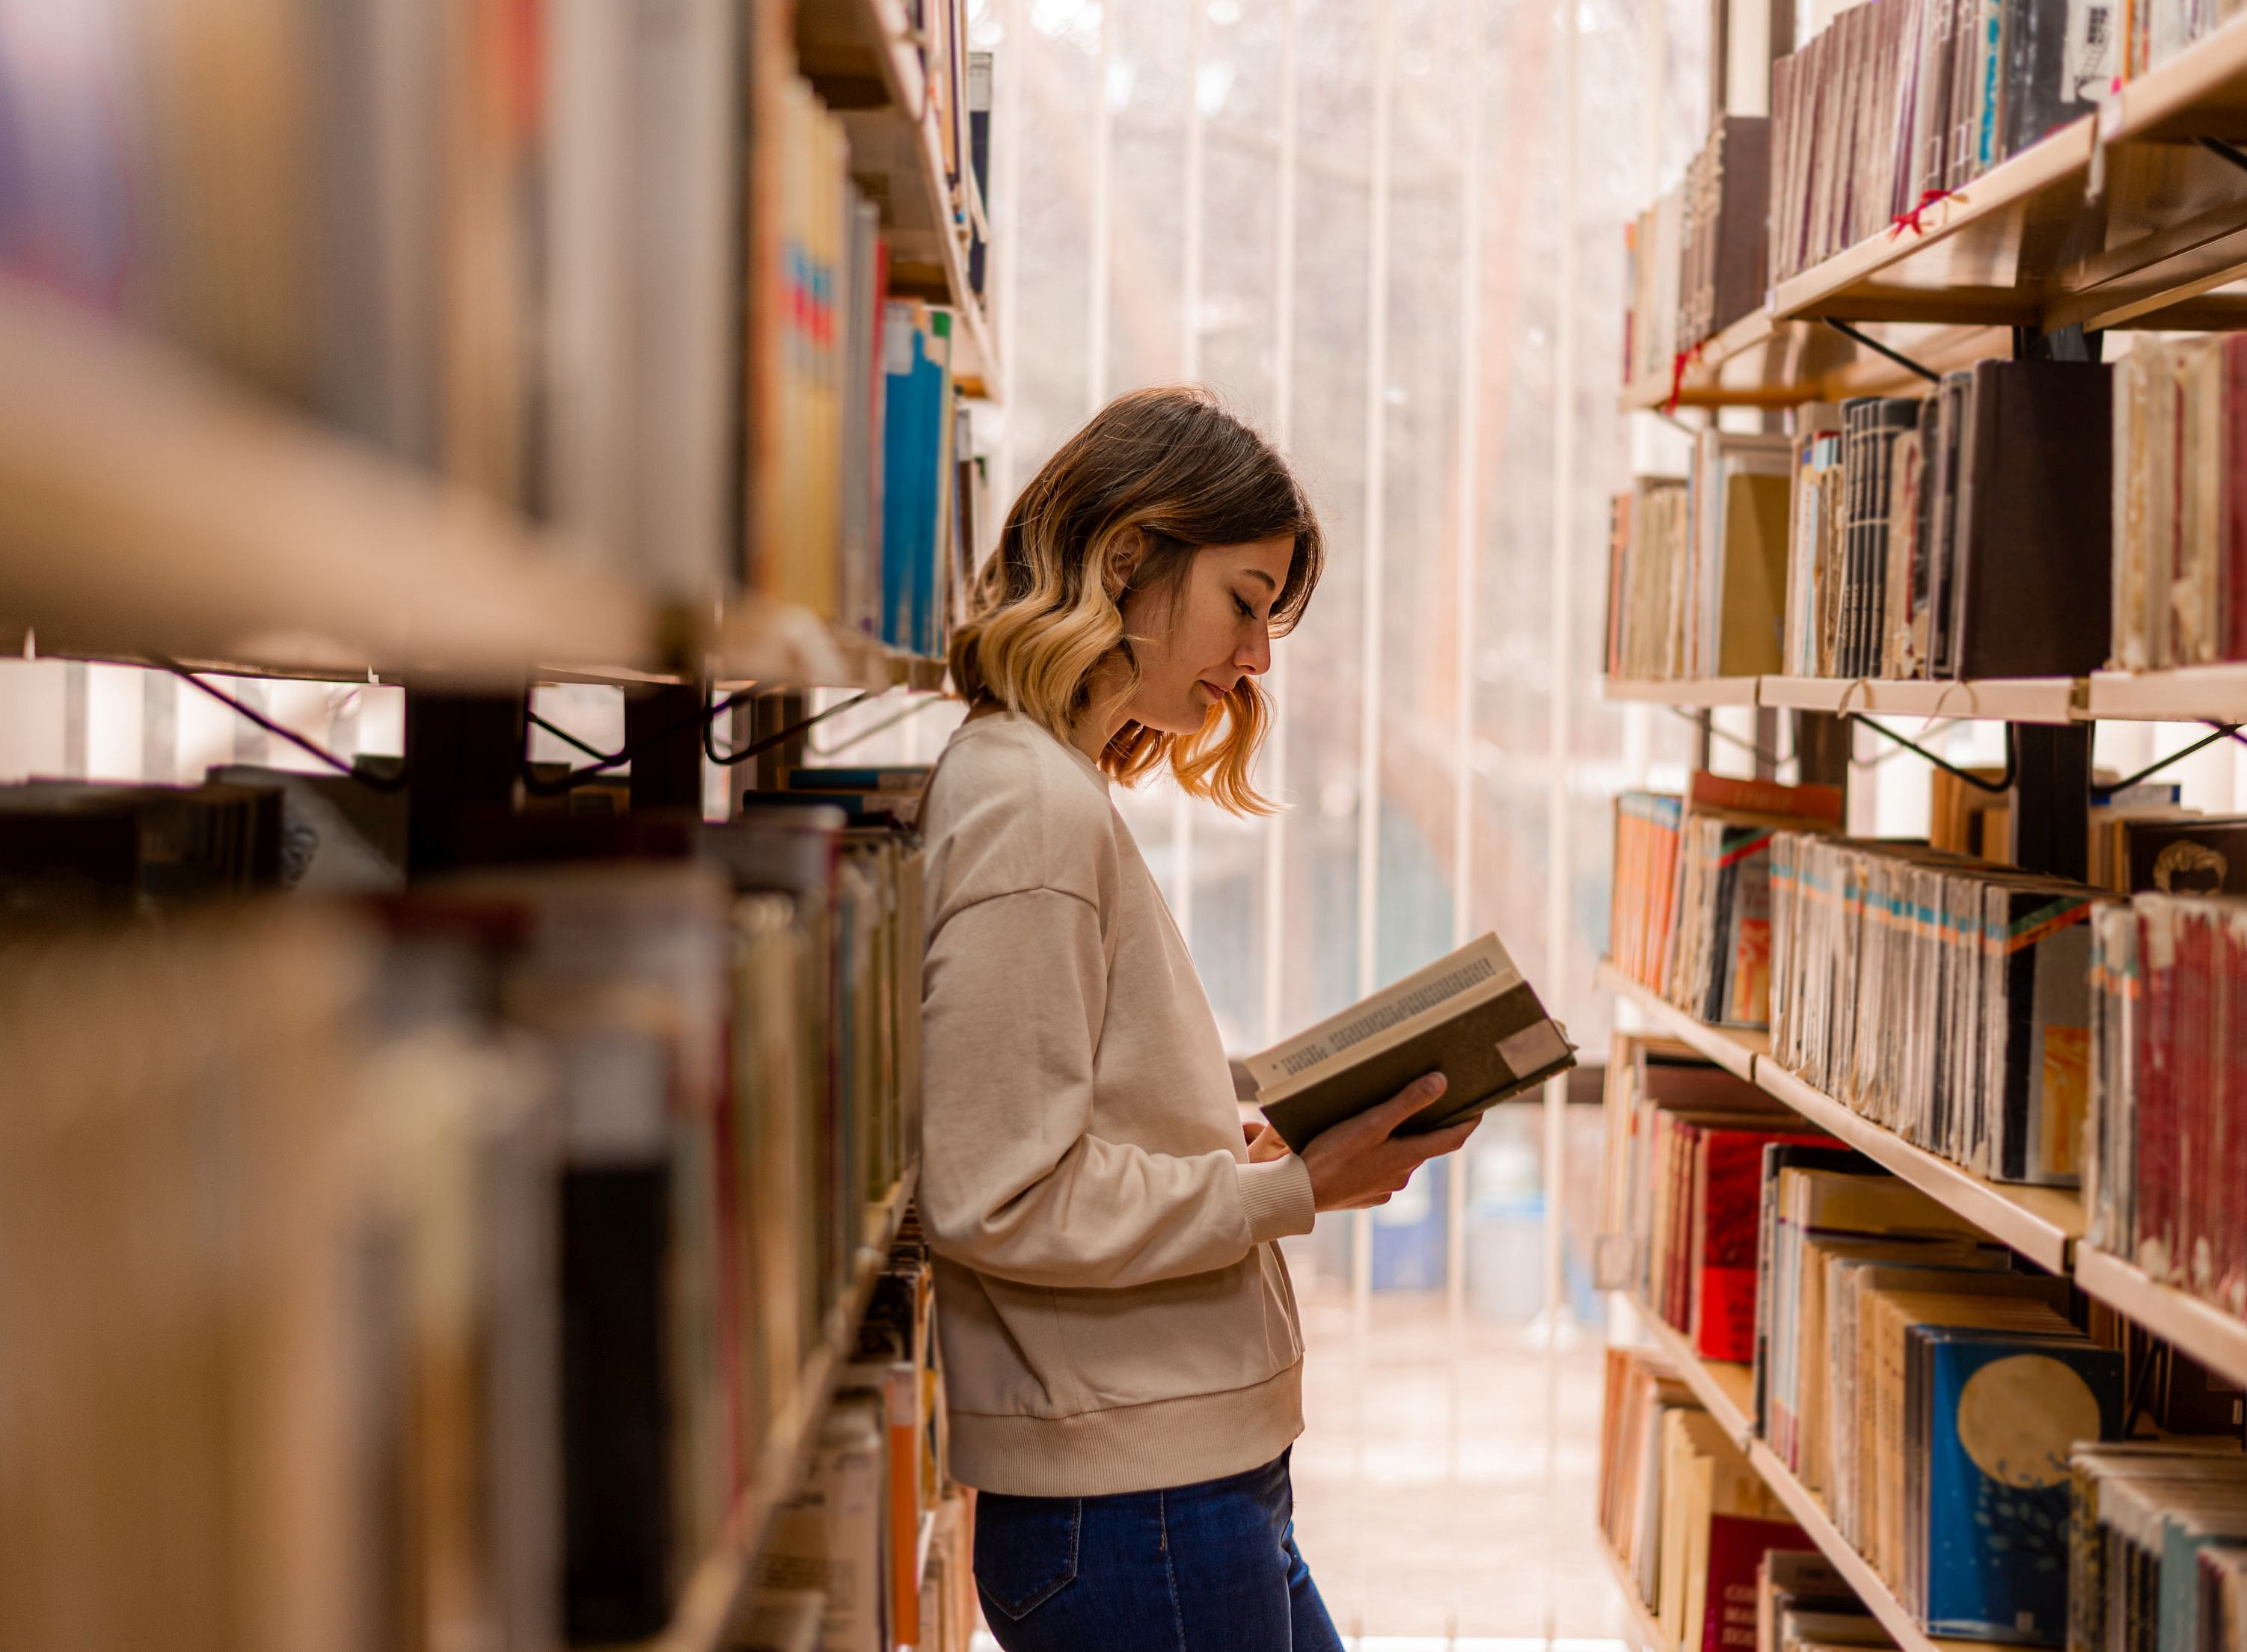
[(1120, 511)]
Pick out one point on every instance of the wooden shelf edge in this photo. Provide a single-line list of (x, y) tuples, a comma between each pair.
[(2041, 1223), (1735, 1052), (2202, 1329), (2183, 694), (1716, 1393), (1699, 692), (1646, 1627), (1879, 1600), (2026, 700), (1821, 289), (713, 1589)]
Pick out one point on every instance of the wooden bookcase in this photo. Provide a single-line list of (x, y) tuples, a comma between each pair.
[(2169, 222), (153, 511)]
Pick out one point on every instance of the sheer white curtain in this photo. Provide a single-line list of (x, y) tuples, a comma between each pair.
[(1389, 231)]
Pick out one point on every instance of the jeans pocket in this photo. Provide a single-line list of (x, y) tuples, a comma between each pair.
[(1025, 1549)]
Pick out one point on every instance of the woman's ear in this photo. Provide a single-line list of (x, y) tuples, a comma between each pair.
[(1119, 562)]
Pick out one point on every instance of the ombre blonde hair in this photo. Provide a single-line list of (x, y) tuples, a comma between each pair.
[(1120, 510)]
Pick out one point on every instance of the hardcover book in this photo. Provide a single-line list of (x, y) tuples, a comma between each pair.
[(1471, 1016)]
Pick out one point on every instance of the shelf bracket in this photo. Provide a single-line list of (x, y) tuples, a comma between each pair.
[(2229, 151), (780, 737), (1706, 722), (1879, 349), (373, 778), (2002, 784), (2223, 730)]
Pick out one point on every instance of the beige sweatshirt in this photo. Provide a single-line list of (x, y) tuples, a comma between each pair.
[(1113, 1312)]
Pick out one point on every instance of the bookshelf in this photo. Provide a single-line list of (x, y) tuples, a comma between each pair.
[(1735, 1050), (2217, 1339), (1726, 1392), (2186, 693), (2042, 1223)]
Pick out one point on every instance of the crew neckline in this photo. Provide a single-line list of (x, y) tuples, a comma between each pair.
[(1005, 717)]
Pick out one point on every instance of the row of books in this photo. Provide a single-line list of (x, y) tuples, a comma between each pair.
[(489, 1343), (1688, 1519), (1691, 914), (1962, 534), (607, 264), (1946, 1000), (1695, 260), (869, 1553), (2157, 1557), (2166, 1186), (1898, 102), (1926, 1387), (1928, 1393)]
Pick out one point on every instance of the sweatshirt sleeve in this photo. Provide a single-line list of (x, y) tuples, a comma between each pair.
[(1013, 1183)]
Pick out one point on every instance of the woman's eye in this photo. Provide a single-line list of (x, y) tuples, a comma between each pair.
[(1246, 612)]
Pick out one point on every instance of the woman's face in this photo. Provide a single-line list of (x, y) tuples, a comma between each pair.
[(1192, 653)]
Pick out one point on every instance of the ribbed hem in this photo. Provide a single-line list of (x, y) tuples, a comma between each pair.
[(1277, 1196), (1130, 1448)]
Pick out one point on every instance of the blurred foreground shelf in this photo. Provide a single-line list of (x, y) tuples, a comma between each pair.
[(151, 511)]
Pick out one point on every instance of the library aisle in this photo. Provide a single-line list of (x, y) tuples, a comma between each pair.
[(503, 504)]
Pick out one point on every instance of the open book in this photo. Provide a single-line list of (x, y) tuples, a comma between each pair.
[(1471, 1016)]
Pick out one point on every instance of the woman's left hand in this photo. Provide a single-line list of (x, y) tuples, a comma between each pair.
[(1264, 1143)]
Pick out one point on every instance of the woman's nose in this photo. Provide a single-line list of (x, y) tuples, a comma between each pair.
[(1254, 656)]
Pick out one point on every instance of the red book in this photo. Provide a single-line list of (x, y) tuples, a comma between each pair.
[(1764, 798), (1737, 1546), (2156, 1123), (2233, 575), (1727, 1218)]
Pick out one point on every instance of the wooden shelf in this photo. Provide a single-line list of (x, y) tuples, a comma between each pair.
[(1645, 1634), (2041, 1223), (713, 1590), (1734, 1050), (1879, 1600), (147, 506), (2189, 694), (150, 510), (2160, 244), (1756, 362), (2031, 700), (2216, 1339), (1726, 1392), (1701, 692)]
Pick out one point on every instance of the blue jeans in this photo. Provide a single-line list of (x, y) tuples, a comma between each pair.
[(1209, 1567)]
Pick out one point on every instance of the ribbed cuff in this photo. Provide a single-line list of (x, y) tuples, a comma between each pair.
[(1277, 1196)]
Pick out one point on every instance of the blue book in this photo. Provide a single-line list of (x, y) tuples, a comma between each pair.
[(912, 451), (1999, 1412)]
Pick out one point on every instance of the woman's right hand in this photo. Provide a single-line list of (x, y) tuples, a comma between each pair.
[(1361, 1161)]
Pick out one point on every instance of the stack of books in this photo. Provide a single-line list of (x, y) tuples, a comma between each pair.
[(2166, 1186), (1946, 1000), (1896, 103), (1692, 908)]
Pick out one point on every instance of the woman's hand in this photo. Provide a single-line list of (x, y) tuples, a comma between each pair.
[(1361, 1161), (1265, 1144)]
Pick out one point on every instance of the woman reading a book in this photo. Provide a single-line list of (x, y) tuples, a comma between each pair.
[(1121, 1347)]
